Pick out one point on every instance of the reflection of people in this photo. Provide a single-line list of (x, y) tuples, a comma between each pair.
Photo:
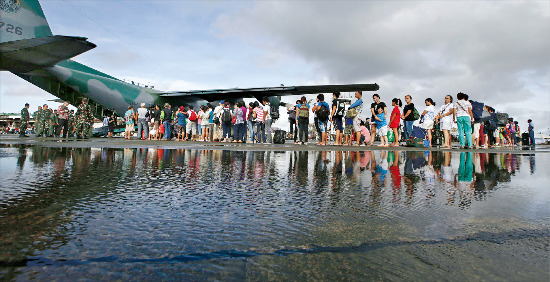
[(395, 175), (465, 178)]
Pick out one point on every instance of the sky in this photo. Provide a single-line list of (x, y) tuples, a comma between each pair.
[(495, 51)]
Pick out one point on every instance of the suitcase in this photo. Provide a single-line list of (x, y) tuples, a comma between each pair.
[(279, 137), (525, 139)]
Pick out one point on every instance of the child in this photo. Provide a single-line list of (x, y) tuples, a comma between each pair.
[(348, 131), (365, 134), (382, 128), (395, 120)]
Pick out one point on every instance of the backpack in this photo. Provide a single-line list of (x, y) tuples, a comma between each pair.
[(303, 111), (279, 137), (193, 116), (340, 108), (292, 114), (226, 115), (162, 115), (323, 112), (416, 115)]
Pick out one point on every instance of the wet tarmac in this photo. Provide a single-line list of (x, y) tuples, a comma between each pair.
[(119, 142), (110, 209)]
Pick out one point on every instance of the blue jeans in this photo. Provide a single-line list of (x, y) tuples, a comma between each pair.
[(464, 129), (260, 131), (167, 130), (226, 127), (252, 128), (267, 131), (142, 125), (237, 131), (407, 132), (532, 137)]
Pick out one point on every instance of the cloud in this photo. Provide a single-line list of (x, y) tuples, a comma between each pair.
[(492, 50)]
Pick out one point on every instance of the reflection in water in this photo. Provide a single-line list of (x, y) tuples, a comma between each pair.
[(201, 200)]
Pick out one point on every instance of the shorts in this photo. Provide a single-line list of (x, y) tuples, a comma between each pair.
[(446, 124), (349, 129), (428, 124), (129, 128), (356, 124), (322, 125), (477, 127), (382, 131), (337, 121), (180, 129), (496, 134), (204, 127), (192, 127)]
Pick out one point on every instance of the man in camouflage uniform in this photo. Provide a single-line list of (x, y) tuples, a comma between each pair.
[(83, 119), (71, 124), (39, 125), (48, 122), (37, 116), (24, 121)]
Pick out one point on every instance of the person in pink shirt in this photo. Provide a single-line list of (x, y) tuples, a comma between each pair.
[(260, 123), (365, 134)]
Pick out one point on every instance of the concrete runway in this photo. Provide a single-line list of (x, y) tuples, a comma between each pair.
[(119, 142)]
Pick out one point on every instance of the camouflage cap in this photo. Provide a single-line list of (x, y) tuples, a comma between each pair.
[(85, 100)]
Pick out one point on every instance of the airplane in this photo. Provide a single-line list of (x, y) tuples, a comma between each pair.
[(29, 50)]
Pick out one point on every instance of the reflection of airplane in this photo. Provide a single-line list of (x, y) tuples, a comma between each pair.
[(30, 50)]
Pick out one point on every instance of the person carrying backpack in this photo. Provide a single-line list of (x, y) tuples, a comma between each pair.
[(338, 111), (191, 126), (322, 111), (302, 118), (226, 117), (408, 117)]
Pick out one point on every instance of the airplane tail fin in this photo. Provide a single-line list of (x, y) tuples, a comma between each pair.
[(27, 42), (22, 19)]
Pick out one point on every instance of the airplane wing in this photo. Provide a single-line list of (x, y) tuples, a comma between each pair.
[(28, 54), (236, 93)]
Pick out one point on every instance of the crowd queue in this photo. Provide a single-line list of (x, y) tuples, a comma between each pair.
[(252, 123)]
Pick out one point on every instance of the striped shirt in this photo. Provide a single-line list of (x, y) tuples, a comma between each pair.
[(259, 113)]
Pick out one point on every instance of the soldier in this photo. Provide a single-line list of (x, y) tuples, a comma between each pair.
[(48, 123), (83, 119), (40, 131), (37, 116), (71, 124), (24, 121)]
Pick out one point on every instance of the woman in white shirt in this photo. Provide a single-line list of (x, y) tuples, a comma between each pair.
[(445, 117), (464, 118), (427, 118), (205, 124)]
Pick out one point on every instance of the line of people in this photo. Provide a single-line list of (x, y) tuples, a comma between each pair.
[(478, 127), (224, 123)]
